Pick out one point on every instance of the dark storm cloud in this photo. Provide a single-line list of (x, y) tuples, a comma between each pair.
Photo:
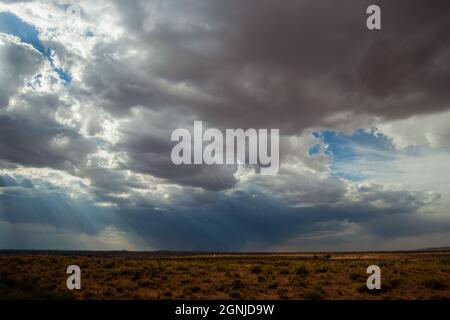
[(219, 222), (145, 139), (212, 177), (289, 64), (243, 221), (41, 142), (106, 180)]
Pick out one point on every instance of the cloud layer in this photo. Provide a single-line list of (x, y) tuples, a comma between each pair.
[(87, 110)]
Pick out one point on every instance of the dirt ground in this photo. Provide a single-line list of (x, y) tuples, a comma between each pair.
[(408, 275)]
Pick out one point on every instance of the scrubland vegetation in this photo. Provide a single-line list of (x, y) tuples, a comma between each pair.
[(291, 276)]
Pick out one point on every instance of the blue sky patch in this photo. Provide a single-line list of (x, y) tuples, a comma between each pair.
[(352, 153), (27, 33)]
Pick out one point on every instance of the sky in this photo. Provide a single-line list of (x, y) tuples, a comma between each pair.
[(88, 104)]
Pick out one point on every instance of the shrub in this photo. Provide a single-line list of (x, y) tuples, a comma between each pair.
[(284, 271), (255, 269), (273, 285), (299, 283), (182, 268), (282, 293), (237, 285), (356, 276), (302, 270), (434, 284), (144, 283), (322, 269), (196, 289), (119, 289), (315, 293), (261, 279), (362, 288), (221, 268), (136, 275), (393, 283)]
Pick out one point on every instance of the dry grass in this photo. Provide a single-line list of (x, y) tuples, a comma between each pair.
[(296, 276)]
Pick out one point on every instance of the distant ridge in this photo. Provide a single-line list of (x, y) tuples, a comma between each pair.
[(435, 249), (169, 253), (121, 253)]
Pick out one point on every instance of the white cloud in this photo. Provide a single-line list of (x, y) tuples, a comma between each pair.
[(431, 130)]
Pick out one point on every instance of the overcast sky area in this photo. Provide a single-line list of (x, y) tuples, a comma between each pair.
[(87, 109)]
